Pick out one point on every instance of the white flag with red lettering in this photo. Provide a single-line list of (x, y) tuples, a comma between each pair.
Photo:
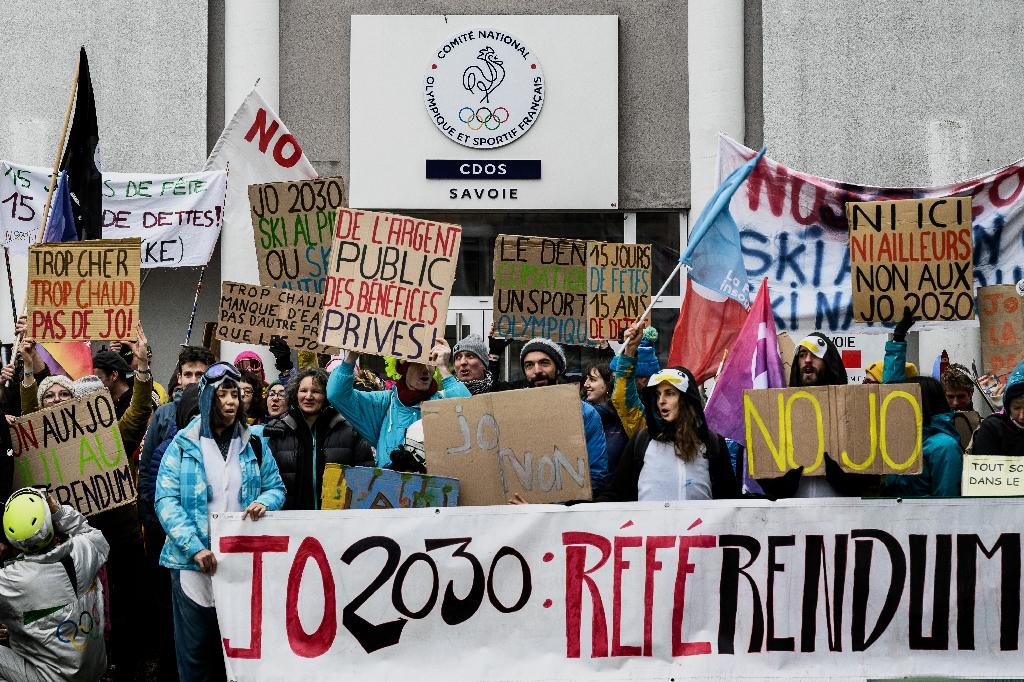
[(255, 147)]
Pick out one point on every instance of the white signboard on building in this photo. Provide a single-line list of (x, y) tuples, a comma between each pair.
[(484, 112)]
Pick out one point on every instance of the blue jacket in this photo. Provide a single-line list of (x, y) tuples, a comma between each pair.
[(379, 416), (942, 466), (181, 493), (160, 429), (597, 447)]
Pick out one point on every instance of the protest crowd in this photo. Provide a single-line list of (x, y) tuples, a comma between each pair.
[(113, 572)]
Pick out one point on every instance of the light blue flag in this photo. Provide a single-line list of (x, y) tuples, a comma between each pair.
[(713, 254), (60, 226)]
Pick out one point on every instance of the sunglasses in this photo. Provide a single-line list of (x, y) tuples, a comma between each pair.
[(220, 370)]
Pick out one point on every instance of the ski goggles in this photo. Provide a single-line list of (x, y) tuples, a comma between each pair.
[(218, 372), (670, 376), (815, 344)]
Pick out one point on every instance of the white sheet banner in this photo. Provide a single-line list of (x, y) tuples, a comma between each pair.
[(821, 588), (793, 231), (178, 217)]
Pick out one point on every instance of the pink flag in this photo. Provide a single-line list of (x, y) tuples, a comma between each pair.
[(753, 362)]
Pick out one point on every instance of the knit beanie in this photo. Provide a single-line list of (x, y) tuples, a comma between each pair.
[(86, 385), (475, 344), (549, 348), (647, 364), (49, 381)]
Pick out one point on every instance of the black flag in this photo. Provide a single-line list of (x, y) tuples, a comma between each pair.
[(82, 159)]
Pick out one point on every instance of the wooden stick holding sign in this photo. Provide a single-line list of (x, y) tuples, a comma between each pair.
[(74, 449), (528, 442), (916, 253), (388, 284), (83, 291), (865, 429)]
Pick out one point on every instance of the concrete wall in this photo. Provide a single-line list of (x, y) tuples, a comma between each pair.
[(149, 72), (909, 92), (653, 145)]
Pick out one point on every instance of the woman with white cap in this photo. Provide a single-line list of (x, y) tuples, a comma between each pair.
[(676, 457)]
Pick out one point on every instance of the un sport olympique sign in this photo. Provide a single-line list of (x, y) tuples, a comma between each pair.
[(818, 588)]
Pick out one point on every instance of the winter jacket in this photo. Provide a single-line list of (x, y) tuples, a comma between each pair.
[(184, 407), (181, 493), (624, 482), (57, 628), (597, 447), (626, 397), (614, 435), (998, 434), (379, 416), (942, 464), (301, 452)]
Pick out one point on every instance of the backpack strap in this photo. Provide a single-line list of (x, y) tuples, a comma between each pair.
[(257, 448), (69, 568)]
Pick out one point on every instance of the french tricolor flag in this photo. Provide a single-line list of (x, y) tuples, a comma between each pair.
[(717, 290)]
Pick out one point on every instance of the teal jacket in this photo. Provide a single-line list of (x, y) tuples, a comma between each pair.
[(379, 416), (181, 493), (942, 466), (942, 461)]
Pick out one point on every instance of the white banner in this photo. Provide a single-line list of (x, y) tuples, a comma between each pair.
[(822, 588), (793, 231), (178, 217)]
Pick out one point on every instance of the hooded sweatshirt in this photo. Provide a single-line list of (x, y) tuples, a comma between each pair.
[(834, 373), (998, 434), (56, 628), (625, 483)]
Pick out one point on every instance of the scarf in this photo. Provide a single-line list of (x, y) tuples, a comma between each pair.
[(478, 386), (411, 397)]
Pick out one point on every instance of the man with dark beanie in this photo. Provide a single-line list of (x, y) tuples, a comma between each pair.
[(113, 372), (543, 363)]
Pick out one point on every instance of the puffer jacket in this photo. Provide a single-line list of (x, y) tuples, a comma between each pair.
[(181, 493), (56, 628), (998, 434), (379, 416), (302, 452)]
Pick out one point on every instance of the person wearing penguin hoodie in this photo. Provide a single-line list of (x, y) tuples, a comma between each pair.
[(382, 417)]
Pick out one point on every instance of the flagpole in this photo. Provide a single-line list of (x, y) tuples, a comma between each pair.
[(60, 147), (10, 284), (661, 291), (195, 303)]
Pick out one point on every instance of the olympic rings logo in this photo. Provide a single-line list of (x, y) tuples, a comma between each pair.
[(78, 634), (475, 119)]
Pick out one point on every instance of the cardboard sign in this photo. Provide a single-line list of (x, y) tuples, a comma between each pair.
[(1001, 314), (293, 223), (992, 476), (619, 287), (869, 429), (252, 315), (528, 441), (75, 450), (83, 291), (348, 487), (568, 290), (914, 252), (388, 284)]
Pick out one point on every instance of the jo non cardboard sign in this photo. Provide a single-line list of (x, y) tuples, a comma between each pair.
[(528, 441), (348, 487), (913, 252), (75, 450), (866, 429), (992, 476), (388, 284), (293, 223), (1001, 314), (83, 291), (252, 314)]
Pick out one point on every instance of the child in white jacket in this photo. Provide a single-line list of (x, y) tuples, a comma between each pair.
[(50, 599)]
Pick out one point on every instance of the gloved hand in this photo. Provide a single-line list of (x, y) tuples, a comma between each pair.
[(903, 326), (282, 354)]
